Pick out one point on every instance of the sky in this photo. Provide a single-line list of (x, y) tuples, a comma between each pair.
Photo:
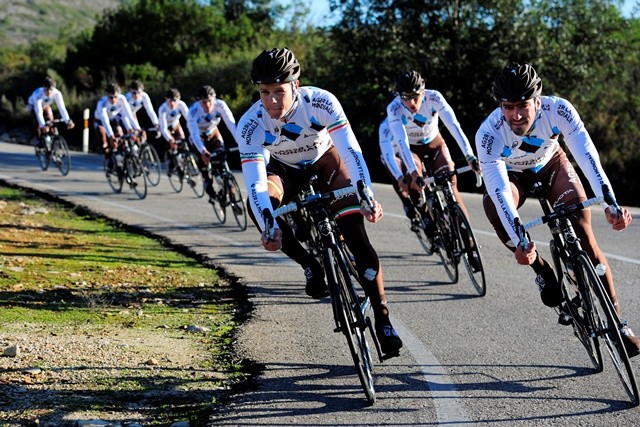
[(319, 9)]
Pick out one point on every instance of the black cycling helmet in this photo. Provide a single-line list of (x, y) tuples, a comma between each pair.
[(172, 93), (409, 82), (113, 88), (136, 85), (49, 83), (206, 92), (516, 82), (275, 66)]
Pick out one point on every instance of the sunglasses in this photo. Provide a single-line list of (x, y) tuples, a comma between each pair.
[(113, 96), (135, 92), (410, 96)]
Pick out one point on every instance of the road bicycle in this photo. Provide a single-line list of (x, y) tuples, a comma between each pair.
[(350, 309), (124, 165), (586, 304), (182, 166), (53, 148), (451, 236), (226, 189), (150, 159)]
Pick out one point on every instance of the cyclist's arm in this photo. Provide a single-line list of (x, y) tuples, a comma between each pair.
[(129, 120), (402, 140), (450, 120), (103, 115), (227, 116), (194, 129), (388, 156), (39, 112), (59, 100), (146, 101), (254, 172), (163, 124)]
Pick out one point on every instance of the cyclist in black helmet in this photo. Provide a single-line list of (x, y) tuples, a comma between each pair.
[(518, 145), (303, 131), (169, 124), (413, 119), (39, 104)]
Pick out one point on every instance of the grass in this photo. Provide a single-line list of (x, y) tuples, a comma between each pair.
[(62, 267)]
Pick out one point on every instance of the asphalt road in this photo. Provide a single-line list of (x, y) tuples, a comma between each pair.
[(497, 360)]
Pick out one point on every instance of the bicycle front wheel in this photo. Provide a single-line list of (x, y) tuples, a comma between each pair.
[(446, 241), (60, 154), (576, 306), (192, 174), (43, 156), (134, 170), (235, 200), (607, 325), (150, 163), (114, 179), (470, 250), (350, 321)]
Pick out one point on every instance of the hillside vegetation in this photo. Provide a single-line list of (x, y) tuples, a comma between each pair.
[(23, 21)]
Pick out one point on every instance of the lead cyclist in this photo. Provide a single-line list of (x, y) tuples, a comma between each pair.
[(518, 145)]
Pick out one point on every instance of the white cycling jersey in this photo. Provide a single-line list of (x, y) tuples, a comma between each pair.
[(170, 117), (389, 149), (142, 101), (201, 122), (422, 127), (39, 99), (500, 151), (106, 111), (315, 122)]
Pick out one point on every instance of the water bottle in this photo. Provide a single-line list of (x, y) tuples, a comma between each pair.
[(135, 149), (601, 270), (119, 159), (47, 141)]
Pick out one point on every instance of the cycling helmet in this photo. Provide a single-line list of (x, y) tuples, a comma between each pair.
[(172, 93), (136, 85), (275, 66), (49, 83), (205, 92), (409, 82), (113, 89), (516, 82)]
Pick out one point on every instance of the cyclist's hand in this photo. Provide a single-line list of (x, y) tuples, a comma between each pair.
[(273, 243), (526, 256), (172, 145), (402, 184), (70, 124), (473, 163), (205, 156), (417, 182), (618, 221), (372, 215)]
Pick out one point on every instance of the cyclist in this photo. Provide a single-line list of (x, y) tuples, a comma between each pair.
[(39, 104), (138, 98), (518, 145), (390, 158), (413, 117), (169, 115), (303, 131), (204, 117), (112, 116)]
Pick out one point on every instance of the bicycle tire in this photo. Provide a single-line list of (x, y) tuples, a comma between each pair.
[(445, 248), (133, 170), (43, 156), (192, 174), (235, 200), (469, 249), (114, 180), (176, 179), (349, 320), (607, 325), (60, 154), (574, 304), (150, 163)]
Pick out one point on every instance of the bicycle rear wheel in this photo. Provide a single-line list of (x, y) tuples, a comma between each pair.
[(235, 200), (43, 156), (192, 174), (470, 250), (351, 321), (607, 326), (577, 306), (60, 154), (445, 244), (135, 175), (150, 163)]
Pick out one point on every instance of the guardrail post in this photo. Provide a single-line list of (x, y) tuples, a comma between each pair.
[(85, 131)]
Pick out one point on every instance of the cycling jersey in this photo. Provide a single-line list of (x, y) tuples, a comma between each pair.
[(421, 128), (315, 122), (39, 99), (142, 101), (169, 118), (106, 112), (389, 150), (201, 122), (501, 152)]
